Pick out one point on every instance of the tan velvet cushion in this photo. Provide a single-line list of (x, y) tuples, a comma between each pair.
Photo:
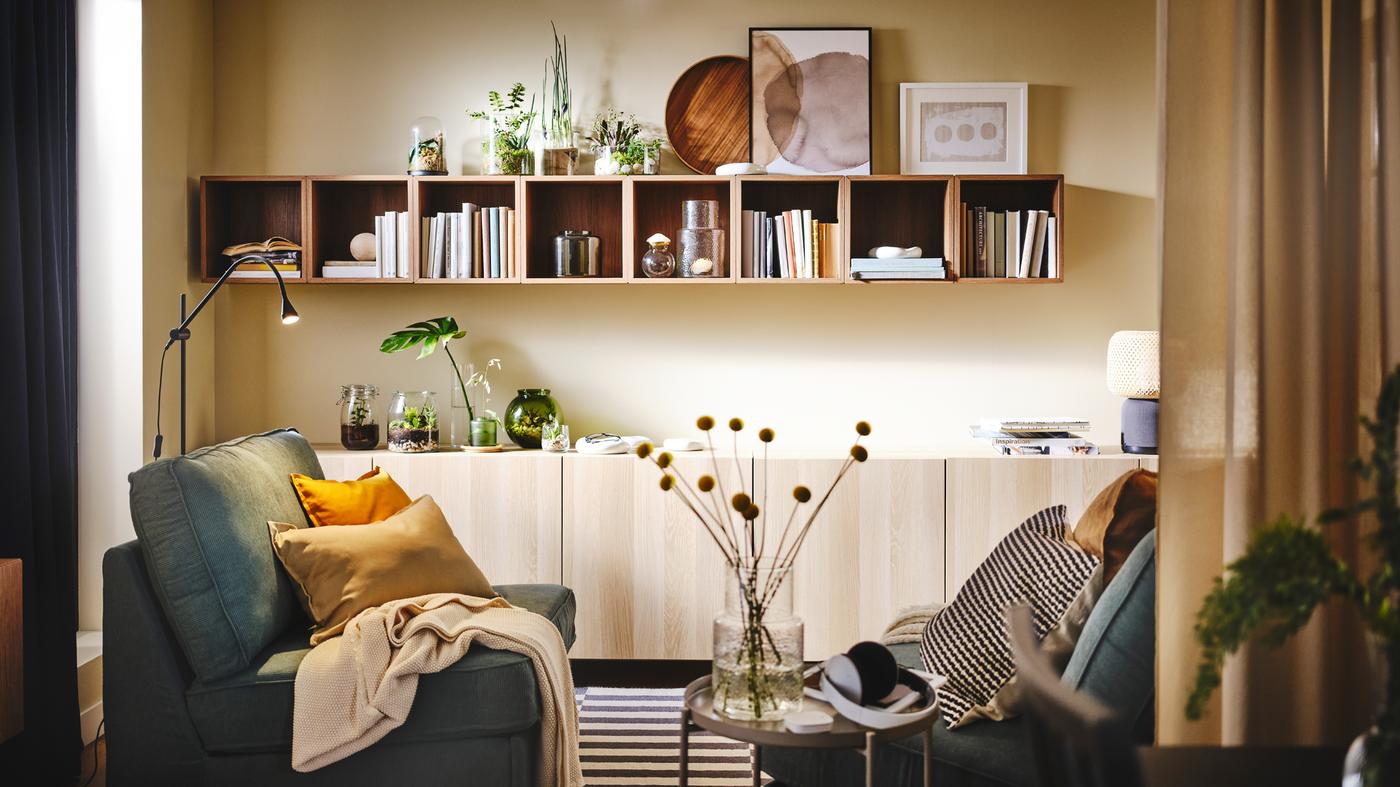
[(343, 571), (1118, 518)]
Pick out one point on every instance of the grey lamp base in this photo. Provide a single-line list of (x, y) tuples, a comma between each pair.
[(1139, 419)]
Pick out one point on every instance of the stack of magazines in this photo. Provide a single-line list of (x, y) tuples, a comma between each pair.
[(1036, 436), (251, 260)]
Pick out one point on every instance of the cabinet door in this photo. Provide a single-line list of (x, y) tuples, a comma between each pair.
[(341, 465), (876, 547), (649, 581), (504, 508), (989, 497)]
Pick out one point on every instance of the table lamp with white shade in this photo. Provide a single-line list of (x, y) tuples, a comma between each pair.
[(1134, 372)]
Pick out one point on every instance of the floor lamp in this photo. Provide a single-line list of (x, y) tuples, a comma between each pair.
[(181, 334)]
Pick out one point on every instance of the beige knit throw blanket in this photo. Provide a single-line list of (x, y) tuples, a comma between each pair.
[(354, 689)]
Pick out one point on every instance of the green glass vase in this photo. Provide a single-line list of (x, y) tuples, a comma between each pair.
[(530, 410)]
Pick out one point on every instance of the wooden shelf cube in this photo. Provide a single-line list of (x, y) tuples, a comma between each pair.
[(236, 209), (656, 207), (1010, 192), (446, 194), (579, 202), (824, 196), (343, 207)]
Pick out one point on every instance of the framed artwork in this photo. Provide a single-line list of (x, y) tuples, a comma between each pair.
[(962, 128), (809, 100)]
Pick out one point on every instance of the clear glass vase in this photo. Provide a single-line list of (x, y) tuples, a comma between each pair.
[(413, 422), (359, 429), (757, 672)]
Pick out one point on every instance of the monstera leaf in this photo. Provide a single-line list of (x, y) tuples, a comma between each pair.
[(429, 334)]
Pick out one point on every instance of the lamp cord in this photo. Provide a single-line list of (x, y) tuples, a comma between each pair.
[(160, 385)]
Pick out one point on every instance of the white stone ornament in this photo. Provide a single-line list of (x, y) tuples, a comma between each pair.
[(896, 252), (741, 168), (362, 246)]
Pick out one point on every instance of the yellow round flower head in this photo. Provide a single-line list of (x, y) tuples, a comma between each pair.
[(802, 494), (706, 483), (862, 428), (751, 513), (705, 423), (736, 424), (741, 502), (667, 482), (765, 434), (663, 460), (859, 453), (643, 450)]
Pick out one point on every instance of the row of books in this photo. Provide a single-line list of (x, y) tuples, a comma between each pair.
[(787, 245), (390, 253), (477, 243), (250, 266), (1011, 244), (897, 269), (1036, 436)]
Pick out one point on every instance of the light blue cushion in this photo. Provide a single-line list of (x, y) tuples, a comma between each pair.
[(1113, 660), (201, 520)]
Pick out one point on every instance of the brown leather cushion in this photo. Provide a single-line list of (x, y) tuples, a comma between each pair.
[(1118, 518), (343, 571)]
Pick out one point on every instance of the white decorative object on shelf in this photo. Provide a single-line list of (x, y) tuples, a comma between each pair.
[(896, 252), (362, 246), (681, 444), (634, 440), (741, 168), (601, 444)]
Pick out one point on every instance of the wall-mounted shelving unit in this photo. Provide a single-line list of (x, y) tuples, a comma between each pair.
[(324, 212)]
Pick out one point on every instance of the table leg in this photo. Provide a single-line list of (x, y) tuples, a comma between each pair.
[(757, 766), (869, 759), (928, 757), (685, 747)]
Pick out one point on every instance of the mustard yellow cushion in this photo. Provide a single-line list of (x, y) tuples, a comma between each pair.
[(373, 497), (342, 571), (1117, 519)]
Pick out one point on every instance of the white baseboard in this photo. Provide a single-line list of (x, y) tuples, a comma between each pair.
[(91, 717)]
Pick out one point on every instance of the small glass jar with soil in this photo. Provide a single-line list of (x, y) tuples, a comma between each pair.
[(359, 429), (413, 422)]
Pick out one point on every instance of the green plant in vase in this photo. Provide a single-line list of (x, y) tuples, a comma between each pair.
[(558, 155), (1289, 570), (429, 335), (610, 135), (506, 149)]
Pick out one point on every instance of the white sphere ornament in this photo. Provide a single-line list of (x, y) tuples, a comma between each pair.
[(362, 246)]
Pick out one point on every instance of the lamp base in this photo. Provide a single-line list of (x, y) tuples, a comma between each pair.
[(1139, 420)]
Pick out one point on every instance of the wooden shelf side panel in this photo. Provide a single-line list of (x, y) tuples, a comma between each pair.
[(242, 210)]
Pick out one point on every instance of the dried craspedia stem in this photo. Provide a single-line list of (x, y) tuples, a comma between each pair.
[(644, 450), (859, 453), (705, 423), (801, 494), (706, 483), (741, 502), (751, 513), (667, 481), (663, 460), (862, 428), (765, 434), (736, 424)]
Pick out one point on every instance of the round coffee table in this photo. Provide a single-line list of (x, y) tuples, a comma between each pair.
[(699, 713)]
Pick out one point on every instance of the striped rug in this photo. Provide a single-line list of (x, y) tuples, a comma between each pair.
[(632, 737)]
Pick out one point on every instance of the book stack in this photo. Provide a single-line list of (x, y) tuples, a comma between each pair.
[(249, 258), (1009, 244), (787, 245), (897, 269), (1036, 436), (476, 243)]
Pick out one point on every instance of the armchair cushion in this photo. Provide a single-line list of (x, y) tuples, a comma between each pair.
[(201, 520)]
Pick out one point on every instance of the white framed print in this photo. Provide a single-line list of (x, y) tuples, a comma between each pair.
[(962, 128)]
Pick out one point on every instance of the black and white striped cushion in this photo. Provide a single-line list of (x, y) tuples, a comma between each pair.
[(1036, 563)]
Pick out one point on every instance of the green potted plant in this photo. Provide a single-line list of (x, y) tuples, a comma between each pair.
[(620, 148), (558, 154), (1289, 570), (439, 332), (506, 148)]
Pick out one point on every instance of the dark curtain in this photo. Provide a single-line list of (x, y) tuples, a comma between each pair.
[(38, 387)]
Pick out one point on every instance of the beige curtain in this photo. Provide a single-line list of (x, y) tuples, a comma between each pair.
[(1280, 206)]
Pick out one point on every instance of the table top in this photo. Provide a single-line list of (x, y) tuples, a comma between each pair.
[(844, 733), (1240, 766)]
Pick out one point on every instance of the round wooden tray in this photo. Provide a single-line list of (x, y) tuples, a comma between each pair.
[(707, 113), (483, 449)]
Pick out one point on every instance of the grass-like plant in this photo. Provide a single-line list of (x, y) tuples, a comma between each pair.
[(558, 98), (1289, 570)]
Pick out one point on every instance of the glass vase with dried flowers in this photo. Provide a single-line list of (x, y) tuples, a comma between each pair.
[(757, 671)]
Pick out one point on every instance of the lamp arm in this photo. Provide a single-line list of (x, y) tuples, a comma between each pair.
[(181, 332)]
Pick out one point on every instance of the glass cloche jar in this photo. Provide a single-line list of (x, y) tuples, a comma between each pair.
[(427, 155), (413, 422)]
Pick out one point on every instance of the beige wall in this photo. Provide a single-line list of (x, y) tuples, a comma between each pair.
[(331, 87)]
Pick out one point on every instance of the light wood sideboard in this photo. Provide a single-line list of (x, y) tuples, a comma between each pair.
[(899, 532)]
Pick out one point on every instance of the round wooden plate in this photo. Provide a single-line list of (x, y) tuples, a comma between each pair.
[(707, 113)]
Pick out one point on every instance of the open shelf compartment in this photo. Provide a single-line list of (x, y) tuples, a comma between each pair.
[(343, 207), (1010, 192), (824, 196), (447, 194), (579, 202), (656, 207), (236, 209), (910, 210)]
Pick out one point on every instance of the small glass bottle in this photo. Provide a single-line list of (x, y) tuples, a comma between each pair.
[(659, 262), (413, 422), (359, 431), (426, 156)]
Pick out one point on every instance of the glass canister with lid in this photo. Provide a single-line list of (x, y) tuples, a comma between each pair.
[(359, 429)]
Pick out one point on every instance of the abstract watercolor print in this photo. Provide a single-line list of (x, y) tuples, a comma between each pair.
[(810, 100), (962, 131)]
